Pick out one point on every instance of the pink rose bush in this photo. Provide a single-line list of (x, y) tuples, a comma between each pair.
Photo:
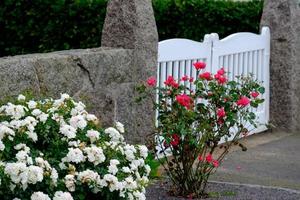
[(55, 150), (192, 123)]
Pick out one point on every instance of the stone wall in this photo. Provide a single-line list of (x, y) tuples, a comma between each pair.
[(283, 18), (103, 78)]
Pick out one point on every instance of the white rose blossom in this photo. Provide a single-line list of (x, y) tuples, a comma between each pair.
[(68, 131), (114, 134), (6, 131), (88, 176), (90, 117), (62, 196), (78, 121), (70, 182), (93, 135), (143, 151), (113, 169), (32, 104), (120, 127), (21, 97), (94, 154), (15, 111), (2, 146), (75, 155), (39, 196), (35, 174), (54, 176)]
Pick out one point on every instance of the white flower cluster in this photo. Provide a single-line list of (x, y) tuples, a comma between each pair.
[(79, 153)]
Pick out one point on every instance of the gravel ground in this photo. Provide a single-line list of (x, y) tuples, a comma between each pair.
[(228, 191)]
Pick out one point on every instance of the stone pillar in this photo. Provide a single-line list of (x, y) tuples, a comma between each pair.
[(130, 24), (283, 18)]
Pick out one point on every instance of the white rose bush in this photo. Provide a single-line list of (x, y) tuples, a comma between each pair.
[(55, 150)]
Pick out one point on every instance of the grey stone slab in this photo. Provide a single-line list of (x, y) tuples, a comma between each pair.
[(100, 77), (282, 16), (130, 24)]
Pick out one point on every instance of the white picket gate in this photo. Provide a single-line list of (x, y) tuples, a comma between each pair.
[(239, 54)]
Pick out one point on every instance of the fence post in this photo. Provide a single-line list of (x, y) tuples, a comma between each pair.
[(265, 32), (214, 59)]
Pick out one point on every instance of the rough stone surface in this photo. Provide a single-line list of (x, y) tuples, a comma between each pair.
[(102, 78), (130, 24), (282, 16)]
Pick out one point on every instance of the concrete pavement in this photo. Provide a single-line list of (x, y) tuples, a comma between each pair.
[(272, 159)]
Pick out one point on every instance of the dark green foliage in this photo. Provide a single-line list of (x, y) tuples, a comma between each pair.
[(193, 19), (28, 26)]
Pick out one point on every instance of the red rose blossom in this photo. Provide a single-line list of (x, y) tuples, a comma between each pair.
[(200, 158), (175, 140), (184, 100), (185, 78), (206, 76), (209, 158), (151, 81), (199, 65), (221, 112), (171, 82), (220, 78), (220, 121), (215, 163), (254, 94), (243, 101), (221, 71)]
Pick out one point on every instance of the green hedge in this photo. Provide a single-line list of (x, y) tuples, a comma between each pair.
[(48, 25), (28, 26), (193, 19)]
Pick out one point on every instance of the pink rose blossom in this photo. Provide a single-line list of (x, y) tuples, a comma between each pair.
[(221, 71), (220, 78), (254, 94), (200, 158), (184, 100), (243, 101), (221, 112), (185, 78), (171, 82), (206, 76), (151, 81), (209, 158), (215, 163), (199, 65)]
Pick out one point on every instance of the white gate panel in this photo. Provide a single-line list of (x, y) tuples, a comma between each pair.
[(176, 58), (244, 54), (239, 54)]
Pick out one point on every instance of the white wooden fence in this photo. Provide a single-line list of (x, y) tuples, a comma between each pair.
[(239, 54)]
